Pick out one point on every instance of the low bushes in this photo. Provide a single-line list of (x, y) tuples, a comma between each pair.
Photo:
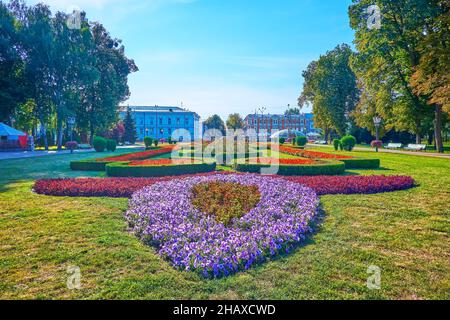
[(99, 144), (300, 141), (88, 165), (330, 168), (312, 154), (139, 155), (348, 142), (71, 145), (356, 163), (123, 169), (100, 164), (125, 187), (111, 145), (148, 142), (337, 144)]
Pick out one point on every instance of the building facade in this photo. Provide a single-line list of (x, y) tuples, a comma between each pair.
[(273, 123), (160, 122)]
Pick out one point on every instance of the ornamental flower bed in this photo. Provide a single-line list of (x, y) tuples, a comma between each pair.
[(139, 155), (162, 162), (194, 240), (311, 154), (125, 187), (283, 161)]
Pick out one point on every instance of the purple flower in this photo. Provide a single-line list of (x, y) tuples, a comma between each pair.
[(162, 215)]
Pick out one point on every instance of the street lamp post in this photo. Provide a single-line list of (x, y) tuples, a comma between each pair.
[(377, 122), (71, 123)]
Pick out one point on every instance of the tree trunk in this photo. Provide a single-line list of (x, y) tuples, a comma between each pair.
[(59, 132), (431, 137), (438, 129), (91, 134), (44, 134)]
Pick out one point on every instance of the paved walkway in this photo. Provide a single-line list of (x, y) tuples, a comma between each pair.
[(32, 154), (411, 153)]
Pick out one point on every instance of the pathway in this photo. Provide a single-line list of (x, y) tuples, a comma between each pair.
[(411, 153)]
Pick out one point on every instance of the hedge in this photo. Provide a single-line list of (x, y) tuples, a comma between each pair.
[(88, 165), (361, 163), (122, 169), (329, 168)]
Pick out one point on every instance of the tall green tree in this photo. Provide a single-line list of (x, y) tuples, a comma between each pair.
[(235, 121), (12, 80), (386, 60), (106, 85), (129, 128), (330, 87), (432, 75), (215, 122)]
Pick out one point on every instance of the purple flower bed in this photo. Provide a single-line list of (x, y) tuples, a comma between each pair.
[(162, 215)]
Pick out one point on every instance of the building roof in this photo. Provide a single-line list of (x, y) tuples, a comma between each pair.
[(162, 109), (6, 130)]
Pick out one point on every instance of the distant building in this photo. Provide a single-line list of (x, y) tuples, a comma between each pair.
[(273, 123), (161, 122)]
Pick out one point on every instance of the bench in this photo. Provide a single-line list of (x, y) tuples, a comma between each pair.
[(416, 147), (394, 146), (321, 142)]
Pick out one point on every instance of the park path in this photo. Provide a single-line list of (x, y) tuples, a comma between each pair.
[(33, 154), (411, 153)]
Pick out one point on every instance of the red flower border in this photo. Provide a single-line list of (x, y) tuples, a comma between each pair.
[(125, 187)]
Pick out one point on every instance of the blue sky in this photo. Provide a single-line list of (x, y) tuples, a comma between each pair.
[(220, 56)]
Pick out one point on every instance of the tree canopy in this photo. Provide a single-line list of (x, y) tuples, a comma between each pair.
[(235, 121), (330, 87), (57, 71)]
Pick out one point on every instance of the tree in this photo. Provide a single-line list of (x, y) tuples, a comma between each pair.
[(12, 81), (235, 121), (130, 128), (386, 60), (292, 112), (330, 86), (106, 85), (215, 122), (432, 75)]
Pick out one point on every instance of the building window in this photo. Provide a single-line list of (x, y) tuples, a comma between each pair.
[(186, 121), (169, 121), (170, 131), (160, 121), (178, 121)]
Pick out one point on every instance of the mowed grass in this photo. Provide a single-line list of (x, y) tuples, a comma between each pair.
[(405, 233)]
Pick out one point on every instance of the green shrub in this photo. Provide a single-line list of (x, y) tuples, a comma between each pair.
[(337, 144), (148, 142), (111, 145), (88, 165), (156, 142), (329, 168), (282, 140), (122, 169), (348, 142), (99, 144), (301, 141), (361, 163)]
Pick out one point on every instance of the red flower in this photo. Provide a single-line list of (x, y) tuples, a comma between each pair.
[(138, 155), (311, 154), (125, 187), (161, 162), (284, 161)]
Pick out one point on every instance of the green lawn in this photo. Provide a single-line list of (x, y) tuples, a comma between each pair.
[(405, 233)]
